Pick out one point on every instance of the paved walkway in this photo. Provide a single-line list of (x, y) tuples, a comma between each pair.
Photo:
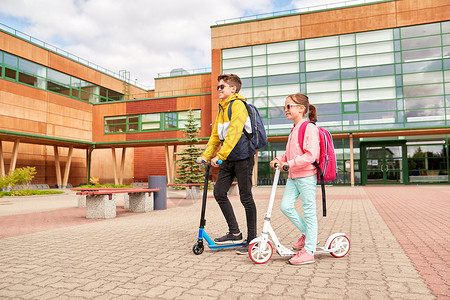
[(399, 250)]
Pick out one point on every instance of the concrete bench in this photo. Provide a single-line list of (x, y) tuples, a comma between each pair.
[(101, 202), (192, 189)]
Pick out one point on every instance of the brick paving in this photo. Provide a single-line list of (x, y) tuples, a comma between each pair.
[(418, 218), (149, 255)]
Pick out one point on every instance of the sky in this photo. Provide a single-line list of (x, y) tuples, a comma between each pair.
[(143, 37)]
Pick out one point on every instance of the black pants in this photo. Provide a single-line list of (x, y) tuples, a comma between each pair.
[(242, 170)]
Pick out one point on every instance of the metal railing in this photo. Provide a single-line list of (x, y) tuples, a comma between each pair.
[(299, 10), (64, 53), (183, 72)]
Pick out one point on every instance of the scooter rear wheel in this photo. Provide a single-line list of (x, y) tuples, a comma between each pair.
[(260, 256), (343, 243), (198, 248)]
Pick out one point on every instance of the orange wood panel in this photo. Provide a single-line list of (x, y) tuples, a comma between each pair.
[(426, 11), (77, 173), (23, 49), (98, 118), (22, 90), (151, 94), (22, 125), (102, 165), (73, 68), (69, 118), (347, 20), (257, 32), (182, 85)]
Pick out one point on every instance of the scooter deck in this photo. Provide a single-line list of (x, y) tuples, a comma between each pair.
[(203, 235)]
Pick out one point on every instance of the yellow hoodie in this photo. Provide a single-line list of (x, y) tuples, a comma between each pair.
[(228, 131)]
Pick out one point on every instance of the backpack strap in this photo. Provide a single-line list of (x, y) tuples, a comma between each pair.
[(301, 137), (249, 137)]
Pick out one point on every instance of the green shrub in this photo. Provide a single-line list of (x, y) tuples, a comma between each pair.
[(17, 177), (29, 193)]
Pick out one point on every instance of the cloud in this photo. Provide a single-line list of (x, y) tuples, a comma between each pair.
[(140, 36)]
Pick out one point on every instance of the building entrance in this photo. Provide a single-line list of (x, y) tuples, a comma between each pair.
[(383, 163)]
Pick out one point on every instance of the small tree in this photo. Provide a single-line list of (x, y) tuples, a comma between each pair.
[(188, 170), (17, 177)]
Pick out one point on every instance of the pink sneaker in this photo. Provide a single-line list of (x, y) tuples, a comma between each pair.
[(302, 258), (300, 244)]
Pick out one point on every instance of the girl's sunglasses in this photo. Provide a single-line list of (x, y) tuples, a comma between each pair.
[(289, 106)]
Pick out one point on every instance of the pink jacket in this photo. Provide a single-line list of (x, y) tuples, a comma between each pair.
[(300, 160)]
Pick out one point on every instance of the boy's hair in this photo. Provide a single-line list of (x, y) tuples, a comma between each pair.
[(303, 100), (231, 79)]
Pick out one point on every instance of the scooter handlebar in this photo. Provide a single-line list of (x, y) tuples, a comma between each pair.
[(204, 162), (285, 167)]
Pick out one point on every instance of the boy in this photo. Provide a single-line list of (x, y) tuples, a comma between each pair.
[(237, 161)]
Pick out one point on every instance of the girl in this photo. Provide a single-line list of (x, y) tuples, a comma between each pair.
[(302, 176)]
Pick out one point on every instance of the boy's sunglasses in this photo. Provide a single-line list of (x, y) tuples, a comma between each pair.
[(221, 87), (289, 106)]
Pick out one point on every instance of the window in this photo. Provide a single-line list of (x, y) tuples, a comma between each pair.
[(115, 124), (151, 121), (427, 163), (10, 62), (420, 30), (237, 63), (390, 78), (183, 117), (121, 124), (171, 121), (236, 52), (283, 68), (421, 42), (350, 107), (282, 47), (33, 74)]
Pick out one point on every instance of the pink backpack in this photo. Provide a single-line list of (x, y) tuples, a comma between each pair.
[(327, 165)]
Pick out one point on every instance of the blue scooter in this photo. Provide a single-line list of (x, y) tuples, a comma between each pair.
[(198, 246)]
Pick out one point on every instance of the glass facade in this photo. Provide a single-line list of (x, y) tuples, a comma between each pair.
[(386, 79), (27, 72)]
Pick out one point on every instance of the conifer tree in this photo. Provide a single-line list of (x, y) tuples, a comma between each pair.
[(188, 170)]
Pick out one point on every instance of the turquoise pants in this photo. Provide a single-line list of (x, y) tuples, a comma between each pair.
[(306, 188)]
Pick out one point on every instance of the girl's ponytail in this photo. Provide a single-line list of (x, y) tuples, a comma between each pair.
[(312, 113), (303, 100)]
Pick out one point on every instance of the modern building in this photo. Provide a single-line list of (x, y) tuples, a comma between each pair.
[(379, 75)]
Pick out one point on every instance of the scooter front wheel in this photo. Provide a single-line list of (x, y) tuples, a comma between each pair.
[(342, 243), (260, 256), (198, 248)]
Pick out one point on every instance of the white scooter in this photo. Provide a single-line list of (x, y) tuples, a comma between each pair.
[(261, 250)]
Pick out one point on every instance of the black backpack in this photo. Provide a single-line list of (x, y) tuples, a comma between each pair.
[(258, 137)]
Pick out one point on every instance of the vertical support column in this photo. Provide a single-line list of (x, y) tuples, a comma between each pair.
[(122, 165), (57, 167), (116, 180), (67, 167), (352, 166), (2, 162), (12, 167), (173, 164), (255, 170), (88, 164), (170, 166)]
